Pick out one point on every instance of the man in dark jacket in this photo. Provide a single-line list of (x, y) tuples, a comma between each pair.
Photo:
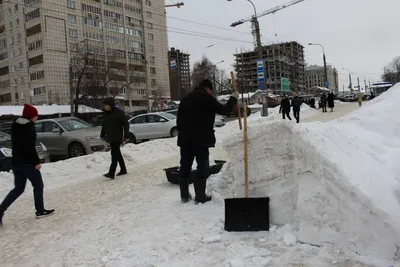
[(323, 102), (331, 101), (296, 104), (25, 162), (195, 122), (115, 130), (285, 107)]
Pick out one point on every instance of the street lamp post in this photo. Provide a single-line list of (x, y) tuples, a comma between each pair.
[(324, 57), (350, 84), (214, 80)]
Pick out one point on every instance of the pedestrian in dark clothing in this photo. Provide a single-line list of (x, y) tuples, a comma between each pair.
[(25, 162), (195, 122), (331, 101), (115, 130), (296, 103), (285, 108), (323, 102), (312, 102)]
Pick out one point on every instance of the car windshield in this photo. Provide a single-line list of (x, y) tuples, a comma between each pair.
[(4, 137), (74, 124), (168, 115)]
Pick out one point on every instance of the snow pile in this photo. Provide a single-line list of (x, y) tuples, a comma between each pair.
[(46, 110), (336, 183)]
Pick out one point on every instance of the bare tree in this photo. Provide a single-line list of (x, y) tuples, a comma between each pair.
[(391, 72), (203, 69), (156, 95)]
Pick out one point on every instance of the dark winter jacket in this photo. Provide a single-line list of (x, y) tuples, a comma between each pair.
[(115, 126), (296, 103), (23, 136), (196, 116), (285, 105), (331, 100), (323, 99)]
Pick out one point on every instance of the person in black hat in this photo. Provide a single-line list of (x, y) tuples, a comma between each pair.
[(195, 122), (115, 130)]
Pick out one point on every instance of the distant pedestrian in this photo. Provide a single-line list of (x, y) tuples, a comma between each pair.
[(296, 104), (360, 99), (331, 101), (195, 122), (25, 162), (115, 131), (285, 108), (323, 102)]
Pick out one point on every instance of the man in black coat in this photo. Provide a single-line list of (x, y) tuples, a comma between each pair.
[(115, 130), (195, 122), (331, 101), (323, 102), (296, 104), (285, 107), (25, 162)]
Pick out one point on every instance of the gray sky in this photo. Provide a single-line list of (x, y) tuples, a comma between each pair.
[(362, 35)]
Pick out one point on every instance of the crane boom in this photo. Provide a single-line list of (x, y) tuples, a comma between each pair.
[(178, 5), (267, 12)]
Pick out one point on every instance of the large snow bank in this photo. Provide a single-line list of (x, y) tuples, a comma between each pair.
[(46, 110), (338, 183)]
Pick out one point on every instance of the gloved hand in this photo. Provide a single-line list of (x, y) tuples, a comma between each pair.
[(235, 94)]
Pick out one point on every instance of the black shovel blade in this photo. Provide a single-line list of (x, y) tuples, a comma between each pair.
[(247, 214)]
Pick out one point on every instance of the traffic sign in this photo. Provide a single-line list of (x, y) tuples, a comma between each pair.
[(260, 73), (285, 84), (173, 64), (326, 84)]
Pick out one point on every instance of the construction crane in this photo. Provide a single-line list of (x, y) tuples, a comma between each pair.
[(178, 5), (264, 13)]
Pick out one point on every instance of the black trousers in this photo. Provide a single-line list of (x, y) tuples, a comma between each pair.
[(116, 157), (286, 113), (22, 173), (188, 154), (296, 114), (323, 107)]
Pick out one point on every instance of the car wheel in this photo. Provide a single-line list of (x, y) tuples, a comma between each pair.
[(174, 132), (76, 150), (132, 138)]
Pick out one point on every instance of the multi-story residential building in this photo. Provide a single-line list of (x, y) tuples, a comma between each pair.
[(315, 77), (41, 42), (179, 73), (283, 60)]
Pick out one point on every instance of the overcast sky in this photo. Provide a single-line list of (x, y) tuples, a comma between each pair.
[(361, 35)]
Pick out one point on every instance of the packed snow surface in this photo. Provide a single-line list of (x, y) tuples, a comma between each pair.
[(336, 183)]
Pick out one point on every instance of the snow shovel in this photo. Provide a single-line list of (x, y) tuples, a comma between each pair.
[(234, 89), (246, 214)]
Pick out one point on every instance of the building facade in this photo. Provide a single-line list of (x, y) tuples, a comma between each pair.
[(283, 60), (315, 77), (179, 73), (42, 43)]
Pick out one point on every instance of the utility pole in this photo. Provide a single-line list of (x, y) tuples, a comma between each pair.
[(365, 84), (335, 77), (242, 73), (343, 88), (71, 90), (358, 80)]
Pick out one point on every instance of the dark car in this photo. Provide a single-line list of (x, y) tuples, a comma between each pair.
[(6, 152)]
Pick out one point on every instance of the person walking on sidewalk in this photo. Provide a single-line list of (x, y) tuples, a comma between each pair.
[(331, 101), (195, 123), (323, 102), (360, 98), (115, 130), (25, 162), (296, 104), (285, 107)]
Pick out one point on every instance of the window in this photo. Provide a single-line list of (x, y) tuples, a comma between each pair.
[(113, 27), (154, 118), (93, 35), (30, 2), (113, 15), (92, 22), (71, 19), (39, 90), (71, 4), (17, 22), (153, 82), (150, 36), (149, 25), (4, 71), (152, 59), (32, 15), (11, 26), (148, 2), (50, 127), (15, 82), (133, 32), (73, 33), (152, 70), (19, 51), (91, 9), (134, 22), (33, 30), (133, 9), (116, 53), (16, 7), (5, 98), (3, 56), (139, 120), (37, 75), (74, 124), (35, 45), (148, 14), (36, 60), (12, 40), (9, 11), (113, 40), (22, 82), (19, 37), (135, 55), (150, 47), (16, 96), (3, 43), (113, 3)]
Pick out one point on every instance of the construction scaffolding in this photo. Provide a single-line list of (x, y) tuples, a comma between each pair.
[(179, 73), (283, 60)]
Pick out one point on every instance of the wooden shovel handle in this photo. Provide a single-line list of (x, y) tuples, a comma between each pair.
[(234, 89), (246, 163)]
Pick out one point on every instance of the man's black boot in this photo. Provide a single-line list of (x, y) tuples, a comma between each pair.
[(1, 218), (109, 175), (184, 187), (200, 189), (122, 172)]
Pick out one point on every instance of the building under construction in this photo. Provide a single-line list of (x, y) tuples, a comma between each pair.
[(179, 73), (283, 60)]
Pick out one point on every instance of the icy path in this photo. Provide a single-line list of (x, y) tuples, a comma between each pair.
[(339, 111)]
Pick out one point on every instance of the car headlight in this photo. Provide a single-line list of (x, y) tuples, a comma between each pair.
[(93, 138), (43, 147), (6, 152)]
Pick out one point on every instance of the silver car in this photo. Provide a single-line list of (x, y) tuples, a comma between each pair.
[(69, 137), (219, 120)]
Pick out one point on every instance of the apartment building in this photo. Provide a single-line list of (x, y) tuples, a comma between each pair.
[(41, 42), (315, 76), (179, 73), (282, 60)]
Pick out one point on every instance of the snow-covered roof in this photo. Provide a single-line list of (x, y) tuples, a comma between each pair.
[(174, 102), (46, 110)]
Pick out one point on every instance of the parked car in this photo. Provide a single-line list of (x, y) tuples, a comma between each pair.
[(97, 121), (6, 126), (138, 112), (152, 126), (69, 137), (6, 152), (219, 120)]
